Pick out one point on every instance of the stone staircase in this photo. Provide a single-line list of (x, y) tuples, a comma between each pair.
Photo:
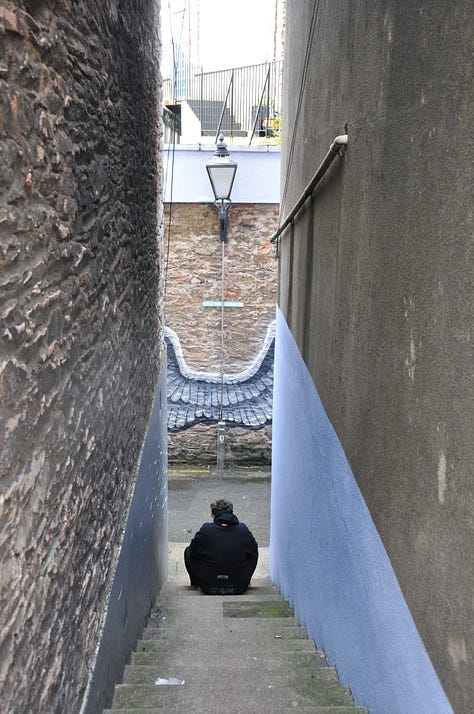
[(209, 112), (245, 654)]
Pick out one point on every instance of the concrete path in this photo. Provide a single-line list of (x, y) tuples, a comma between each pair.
[(191, 492), (244, 653)]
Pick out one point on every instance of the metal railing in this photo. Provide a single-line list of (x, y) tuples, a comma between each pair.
[(334, 150), (242, 101), (171, 126)]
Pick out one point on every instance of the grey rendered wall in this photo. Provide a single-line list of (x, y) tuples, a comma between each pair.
[(376, 284), (81, 343)]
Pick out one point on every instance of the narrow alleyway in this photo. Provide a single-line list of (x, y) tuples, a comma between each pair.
[(237, 653)]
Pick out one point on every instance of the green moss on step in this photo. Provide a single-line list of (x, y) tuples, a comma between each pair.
[(268, 608)]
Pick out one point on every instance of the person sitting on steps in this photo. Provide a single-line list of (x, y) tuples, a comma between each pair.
[(222, 556)]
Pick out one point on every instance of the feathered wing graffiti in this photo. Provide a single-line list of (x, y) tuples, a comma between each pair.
[(194, 397)]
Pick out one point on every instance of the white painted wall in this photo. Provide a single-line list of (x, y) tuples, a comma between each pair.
[(257, 179)]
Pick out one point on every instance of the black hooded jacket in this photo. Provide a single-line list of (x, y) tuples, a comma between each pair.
[(226, 552)]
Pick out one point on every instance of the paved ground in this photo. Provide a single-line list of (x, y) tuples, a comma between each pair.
[(192, 491)]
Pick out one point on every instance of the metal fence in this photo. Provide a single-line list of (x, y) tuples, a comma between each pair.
[(244, 101)]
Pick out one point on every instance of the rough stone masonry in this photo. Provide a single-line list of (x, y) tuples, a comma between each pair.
[(81, 332), (194, 275)]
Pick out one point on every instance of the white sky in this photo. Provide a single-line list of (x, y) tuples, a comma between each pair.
[(227, 34)]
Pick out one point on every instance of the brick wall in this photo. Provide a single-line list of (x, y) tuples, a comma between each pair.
[(80, 335), (193, 276)]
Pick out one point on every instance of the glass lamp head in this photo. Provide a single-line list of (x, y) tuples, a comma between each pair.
[(221, 170)]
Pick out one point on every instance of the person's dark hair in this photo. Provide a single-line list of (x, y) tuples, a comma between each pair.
[(222, 506)]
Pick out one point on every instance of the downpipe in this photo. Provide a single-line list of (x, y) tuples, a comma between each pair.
[(334, 150)]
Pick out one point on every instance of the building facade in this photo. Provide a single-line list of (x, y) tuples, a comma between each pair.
[(372, 433)]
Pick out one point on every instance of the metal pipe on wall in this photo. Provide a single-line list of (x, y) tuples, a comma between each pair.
[(326, 162)]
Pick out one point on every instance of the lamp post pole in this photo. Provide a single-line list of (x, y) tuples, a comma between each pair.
[(221, 170), (221, 422)]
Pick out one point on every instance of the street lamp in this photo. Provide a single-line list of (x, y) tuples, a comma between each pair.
[(221, 170)]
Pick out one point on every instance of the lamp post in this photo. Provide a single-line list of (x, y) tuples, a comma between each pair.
[(221, 170)]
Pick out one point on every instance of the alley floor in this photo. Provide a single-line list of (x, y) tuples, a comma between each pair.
[(211, 654), (191, 491)]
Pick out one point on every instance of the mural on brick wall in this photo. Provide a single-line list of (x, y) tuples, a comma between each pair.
[(194, 279), (195, 397)]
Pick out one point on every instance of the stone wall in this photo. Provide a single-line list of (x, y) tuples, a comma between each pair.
[(198, 445), (80, 329), (194, 275)]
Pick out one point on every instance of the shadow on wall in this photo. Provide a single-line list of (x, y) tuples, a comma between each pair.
[(142, 563)]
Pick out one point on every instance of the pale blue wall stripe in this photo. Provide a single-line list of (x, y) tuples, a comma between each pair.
[(328, 559)]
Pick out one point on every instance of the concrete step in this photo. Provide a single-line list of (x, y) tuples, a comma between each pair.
[(179, 626), (250, 646), (259, 589), (188, 593), (239, 639), (179, 657), (196, 695), (276, 671), (147, 653), (300, 710), (281, 624), (273, 604)]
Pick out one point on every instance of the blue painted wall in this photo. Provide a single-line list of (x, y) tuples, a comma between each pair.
[(327, 557), (142, 563)]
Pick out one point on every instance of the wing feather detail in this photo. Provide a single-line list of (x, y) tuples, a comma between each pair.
[(194, 397)]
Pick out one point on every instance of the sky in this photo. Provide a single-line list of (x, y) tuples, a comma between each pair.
[(221, 34)]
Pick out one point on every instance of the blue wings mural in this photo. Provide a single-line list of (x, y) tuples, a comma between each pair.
[(194, 397)]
